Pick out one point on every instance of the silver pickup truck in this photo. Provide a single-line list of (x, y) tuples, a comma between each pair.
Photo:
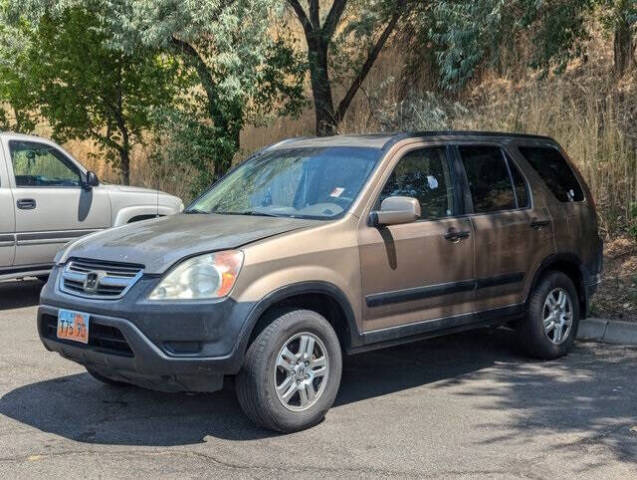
[(47, 199)]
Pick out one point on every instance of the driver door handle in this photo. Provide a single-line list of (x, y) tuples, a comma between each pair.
[(26, 204), (538, 224), (454, 235)]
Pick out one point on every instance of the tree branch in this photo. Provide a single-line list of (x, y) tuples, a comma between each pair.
[(333, 17), (198, 63), (300, 13), (367, 66), (314, 14)]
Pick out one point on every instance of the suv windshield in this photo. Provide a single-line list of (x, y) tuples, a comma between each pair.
[(319, 183)]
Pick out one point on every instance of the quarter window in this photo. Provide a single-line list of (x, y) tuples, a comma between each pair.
[(489, 179), (521, 189), (552, 167), (423, 174), (39, 165)]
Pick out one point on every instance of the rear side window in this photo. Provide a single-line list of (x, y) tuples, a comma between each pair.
[(556, 173), (489, 178)]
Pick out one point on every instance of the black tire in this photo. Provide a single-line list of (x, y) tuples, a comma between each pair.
[(255, 384), (531, 331), (106, 380)]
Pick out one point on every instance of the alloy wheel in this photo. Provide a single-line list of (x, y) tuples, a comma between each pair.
[(558, 315), (301, 371)]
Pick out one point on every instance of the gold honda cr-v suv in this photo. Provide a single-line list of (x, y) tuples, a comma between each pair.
[(315, 248)]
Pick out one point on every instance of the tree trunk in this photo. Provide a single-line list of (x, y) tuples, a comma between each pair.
[(623, 48), (326, 122), (124, 165)]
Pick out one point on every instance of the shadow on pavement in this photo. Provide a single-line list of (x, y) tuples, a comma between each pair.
[(19, 294), (585, 391), (80, 408)]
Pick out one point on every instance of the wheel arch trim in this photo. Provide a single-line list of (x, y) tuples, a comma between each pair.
[(575, 261), (281, 294)]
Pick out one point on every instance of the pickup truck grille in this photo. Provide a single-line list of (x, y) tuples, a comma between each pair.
[(99, 280)]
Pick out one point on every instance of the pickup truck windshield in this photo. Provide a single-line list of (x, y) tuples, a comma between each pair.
[(320, 183)]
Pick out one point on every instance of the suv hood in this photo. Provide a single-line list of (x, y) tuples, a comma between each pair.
[(160, 243)]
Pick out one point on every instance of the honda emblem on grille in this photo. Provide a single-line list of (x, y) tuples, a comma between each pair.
[(92, 281)]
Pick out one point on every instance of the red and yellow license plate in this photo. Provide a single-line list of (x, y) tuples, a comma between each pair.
[(73, 326)]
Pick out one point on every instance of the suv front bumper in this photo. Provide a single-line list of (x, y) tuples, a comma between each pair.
[(170, 346)]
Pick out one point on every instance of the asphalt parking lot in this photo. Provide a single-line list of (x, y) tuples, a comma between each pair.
[(467, 406)]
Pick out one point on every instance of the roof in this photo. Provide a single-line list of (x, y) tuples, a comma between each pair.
[(383, 141)]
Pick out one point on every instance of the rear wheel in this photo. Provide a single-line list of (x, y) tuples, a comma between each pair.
[(106, 380), (550, 326), (291, 373)]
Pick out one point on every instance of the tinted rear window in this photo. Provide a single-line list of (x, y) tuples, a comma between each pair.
[(556, 173)]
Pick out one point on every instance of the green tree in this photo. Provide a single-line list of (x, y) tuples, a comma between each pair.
[(235, 71), (355, 31), (241, 71), (16, 92), (84, 87), (466, 36)]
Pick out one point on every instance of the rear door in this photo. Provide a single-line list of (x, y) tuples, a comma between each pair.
[(418, 273), (513, 228), (7, 217), (51, 206)]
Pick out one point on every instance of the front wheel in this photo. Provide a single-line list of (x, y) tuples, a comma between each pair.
[(291, 373), (550, 326)]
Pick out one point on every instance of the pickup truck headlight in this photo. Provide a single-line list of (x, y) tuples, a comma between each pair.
[(207, 276)]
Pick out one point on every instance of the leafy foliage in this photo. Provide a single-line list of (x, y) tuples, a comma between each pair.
[(468, 36), (85, 88), (244, 73)]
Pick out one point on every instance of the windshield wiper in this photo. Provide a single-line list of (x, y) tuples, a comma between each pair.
[(195, 211), (254, 212)]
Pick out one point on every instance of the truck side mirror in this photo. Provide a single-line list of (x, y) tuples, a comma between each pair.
[(91, 180)]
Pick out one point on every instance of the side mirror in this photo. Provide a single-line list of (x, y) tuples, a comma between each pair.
[(91, 180), (395, 210)]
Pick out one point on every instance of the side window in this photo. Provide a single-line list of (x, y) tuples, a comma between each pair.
[(39, 165), (489, 179), (558, 176), (521, 188), (423, 174)]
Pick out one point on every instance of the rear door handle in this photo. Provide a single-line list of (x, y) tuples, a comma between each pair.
[(538, 224), (26, 204), (454, 235)]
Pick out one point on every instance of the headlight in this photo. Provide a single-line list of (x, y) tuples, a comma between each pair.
[(205, 277)]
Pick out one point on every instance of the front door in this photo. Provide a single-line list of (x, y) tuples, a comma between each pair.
[(7, 218), (51, 206), (419, 273), (513, 230)]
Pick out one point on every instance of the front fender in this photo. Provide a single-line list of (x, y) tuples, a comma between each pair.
[(124, 215)]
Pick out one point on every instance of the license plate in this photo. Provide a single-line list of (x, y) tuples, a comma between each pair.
[(73, 326)]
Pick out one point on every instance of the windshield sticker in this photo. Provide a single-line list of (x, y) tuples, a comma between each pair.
[(337, 192), (433, 183)]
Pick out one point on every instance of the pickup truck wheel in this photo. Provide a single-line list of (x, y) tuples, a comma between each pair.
[(550, 326), (291, 373), (106, 380)]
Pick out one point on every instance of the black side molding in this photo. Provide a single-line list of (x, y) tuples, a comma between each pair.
[(419, 293)]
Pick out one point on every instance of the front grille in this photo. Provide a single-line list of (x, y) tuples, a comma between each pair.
[(101, 338), (98, 279)]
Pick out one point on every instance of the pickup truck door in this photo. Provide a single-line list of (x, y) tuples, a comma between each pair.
[(51, 205), (7, 218)]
